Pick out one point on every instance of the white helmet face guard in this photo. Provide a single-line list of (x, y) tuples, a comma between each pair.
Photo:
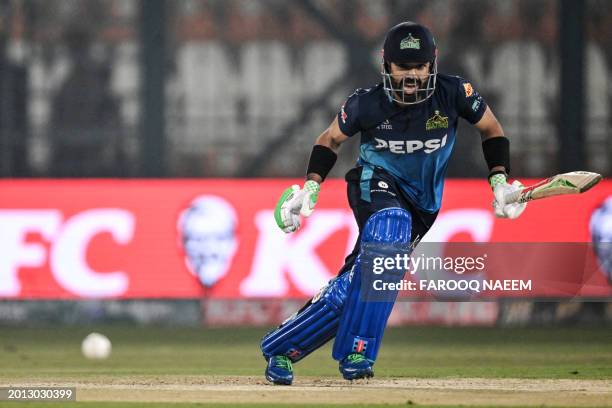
[(398, 94)]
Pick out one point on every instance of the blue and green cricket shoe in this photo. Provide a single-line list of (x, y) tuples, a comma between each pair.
[(279, 370), (356, 366)]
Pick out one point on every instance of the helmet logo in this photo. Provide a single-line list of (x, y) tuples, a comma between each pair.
[(410, 42)]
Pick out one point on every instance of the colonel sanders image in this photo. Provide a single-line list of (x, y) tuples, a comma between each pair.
[(601, 233), (208, 235)]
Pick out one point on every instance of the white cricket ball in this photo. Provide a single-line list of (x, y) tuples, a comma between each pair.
[(96, 346)]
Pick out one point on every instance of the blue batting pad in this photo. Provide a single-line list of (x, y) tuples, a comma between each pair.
[(312, 326), (363, 320)]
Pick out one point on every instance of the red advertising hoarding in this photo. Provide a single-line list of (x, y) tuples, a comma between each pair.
[(78, 239)]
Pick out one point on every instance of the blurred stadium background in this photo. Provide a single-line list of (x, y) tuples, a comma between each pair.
[(205, 88), (214, 104)]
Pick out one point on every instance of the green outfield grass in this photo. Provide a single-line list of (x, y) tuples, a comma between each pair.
[(545, 353), (406, 352)]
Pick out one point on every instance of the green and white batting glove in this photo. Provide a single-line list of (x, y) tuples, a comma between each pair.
[(500, 186), (296, 201)]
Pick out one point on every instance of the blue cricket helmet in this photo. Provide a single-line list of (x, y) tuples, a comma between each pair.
[(409, 43)]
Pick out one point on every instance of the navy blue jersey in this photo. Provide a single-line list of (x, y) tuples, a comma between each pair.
[(412, 143)]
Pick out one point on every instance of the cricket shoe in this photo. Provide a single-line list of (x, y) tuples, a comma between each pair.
[(279, 370), (356, 366)]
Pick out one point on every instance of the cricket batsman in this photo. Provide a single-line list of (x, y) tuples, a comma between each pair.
[(408, 125)]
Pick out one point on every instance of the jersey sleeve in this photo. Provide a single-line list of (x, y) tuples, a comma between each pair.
[(348, 116), (469, 103)]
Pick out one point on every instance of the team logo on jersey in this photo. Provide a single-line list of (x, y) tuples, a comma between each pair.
[(410, 42), (385, 125), (410, 146), (343, 114), (437, 121), (469, 91)]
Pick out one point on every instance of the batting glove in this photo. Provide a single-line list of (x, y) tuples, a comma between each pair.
[(293, 202), (501, 188)]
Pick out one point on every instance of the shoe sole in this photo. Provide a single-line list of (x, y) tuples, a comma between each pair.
[(278, 381), (359, 376)]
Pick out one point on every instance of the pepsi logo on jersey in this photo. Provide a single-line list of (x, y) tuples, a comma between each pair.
[(410, 146)]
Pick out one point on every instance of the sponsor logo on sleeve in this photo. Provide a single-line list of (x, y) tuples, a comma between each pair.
[(469, 91), (476, 104)]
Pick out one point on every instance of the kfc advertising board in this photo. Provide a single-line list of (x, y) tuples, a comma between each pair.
[(78, 239)]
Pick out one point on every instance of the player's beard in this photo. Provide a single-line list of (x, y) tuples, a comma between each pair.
[(412, 88)]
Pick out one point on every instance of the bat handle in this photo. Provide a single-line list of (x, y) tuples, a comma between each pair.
[(513, 197)]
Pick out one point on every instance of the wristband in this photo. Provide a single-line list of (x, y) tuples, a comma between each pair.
[(497, 152), (322, 159)]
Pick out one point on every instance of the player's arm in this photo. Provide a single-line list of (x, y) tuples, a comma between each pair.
[(325, 152), (296, 201), (490, 128), (496, 149)]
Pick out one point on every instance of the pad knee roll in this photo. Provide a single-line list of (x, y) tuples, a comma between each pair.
[(391, 226)]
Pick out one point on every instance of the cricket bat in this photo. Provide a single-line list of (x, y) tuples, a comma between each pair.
[(575, 182)]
